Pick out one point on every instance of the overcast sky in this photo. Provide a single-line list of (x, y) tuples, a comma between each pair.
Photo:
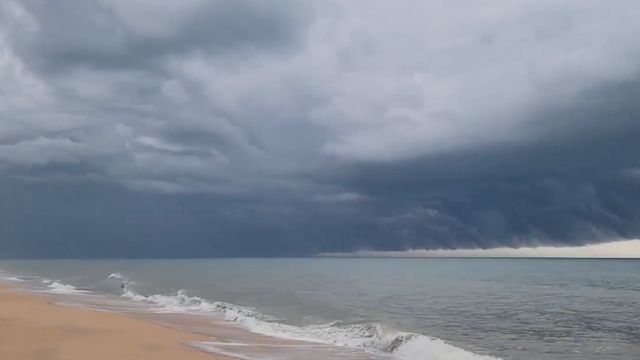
[(278, 128)]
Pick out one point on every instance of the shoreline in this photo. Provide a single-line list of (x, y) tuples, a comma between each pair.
[(77, 324), (33, 327)]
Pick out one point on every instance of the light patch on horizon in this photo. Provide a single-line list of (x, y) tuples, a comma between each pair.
[(624, 249)]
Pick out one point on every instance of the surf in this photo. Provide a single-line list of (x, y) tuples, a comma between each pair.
[(370, 337)]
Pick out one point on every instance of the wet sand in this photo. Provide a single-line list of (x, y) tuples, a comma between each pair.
[(33, 328)]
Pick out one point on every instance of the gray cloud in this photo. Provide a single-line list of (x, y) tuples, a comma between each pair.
[(117, 34), (323, 126)]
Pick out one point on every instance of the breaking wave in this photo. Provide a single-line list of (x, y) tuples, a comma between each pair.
[(370, 337), (61, 288), (181, 302)]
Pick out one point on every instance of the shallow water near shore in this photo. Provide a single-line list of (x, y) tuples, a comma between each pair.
[(366, 308)]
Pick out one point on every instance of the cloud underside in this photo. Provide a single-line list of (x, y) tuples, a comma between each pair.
[(230, 128)]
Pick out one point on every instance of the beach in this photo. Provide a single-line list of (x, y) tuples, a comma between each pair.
[(32, 328), (320, 308)]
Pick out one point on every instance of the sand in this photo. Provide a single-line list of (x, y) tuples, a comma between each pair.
[(33, 328)]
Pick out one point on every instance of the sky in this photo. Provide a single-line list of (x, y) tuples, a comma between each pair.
[(154, 128)]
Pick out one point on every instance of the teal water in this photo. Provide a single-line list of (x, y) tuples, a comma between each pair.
[(507, 308)]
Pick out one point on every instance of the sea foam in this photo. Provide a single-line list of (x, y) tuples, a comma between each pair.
[(370, 337)]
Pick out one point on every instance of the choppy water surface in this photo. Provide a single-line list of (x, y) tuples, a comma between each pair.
[(381, 308)]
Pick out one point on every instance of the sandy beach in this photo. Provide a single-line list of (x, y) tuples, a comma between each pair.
[(33, 328)]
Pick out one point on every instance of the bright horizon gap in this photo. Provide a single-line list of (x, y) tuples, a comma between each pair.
[(622, 249)]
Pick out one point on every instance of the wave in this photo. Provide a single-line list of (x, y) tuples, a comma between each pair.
[(116, 276), (370, 337), (7, 277), (181, 302), (61, 288)]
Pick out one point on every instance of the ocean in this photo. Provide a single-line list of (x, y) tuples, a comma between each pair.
[(367, 308)]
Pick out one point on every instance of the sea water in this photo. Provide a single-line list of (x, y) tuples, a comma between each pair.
[(377, 308)]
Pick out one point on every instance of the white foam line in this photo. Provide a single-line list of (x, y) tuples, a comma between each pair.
[(62, 288)]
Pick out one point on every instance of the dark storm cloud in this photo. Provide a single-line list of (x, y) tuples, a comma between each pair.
[(574, 185), (133, 34), (248, 128)]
